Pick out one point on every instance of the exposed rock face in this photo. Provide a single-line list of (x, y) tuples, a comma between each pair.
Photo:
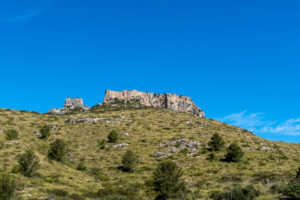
[(168, 101), (70, 104)]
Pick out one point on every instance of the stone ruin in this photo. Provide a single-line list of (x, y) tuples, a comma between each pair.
[(70, 104)]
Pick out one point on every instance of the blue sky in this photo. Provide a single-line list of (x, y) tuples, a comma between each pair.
[(238, 60)]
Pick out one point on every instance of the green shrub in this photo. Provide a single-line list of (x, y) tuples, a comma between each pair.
[(216, 143), (234, 153), (298, 173), (45, 132), (11, 134), (167, 181), (113, 136), (116, 197), (211, 156), (28, 163), (129, 161), (7, 187), (237, 193), (57, 150), (102, 144), (81, 167), (291, 190)]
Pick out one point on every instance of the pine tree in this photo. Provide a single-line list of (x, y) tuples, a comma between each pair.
[(167, 181), (29, 163), (129, 161), (234, 153), (57, 150), (216, 143)]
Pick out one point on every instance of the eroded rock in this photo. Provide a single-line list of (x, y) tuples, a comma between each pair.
[(168, 101)]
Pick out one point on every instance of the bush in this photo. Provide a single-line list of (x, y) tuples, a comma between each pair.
[(29, 163), (298, 173), (167, 181), (45, 132), (113, 136), (291, 190), (81, 167), (7, 187), (102, 144), (11, 134), (234, 153), (129, 161), (216, 143), (237, 193), (57, 150), (211, 156), (116, 197)]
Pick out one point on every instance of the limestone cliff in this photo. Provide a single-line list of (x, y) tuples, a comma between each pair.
[(168, 101)]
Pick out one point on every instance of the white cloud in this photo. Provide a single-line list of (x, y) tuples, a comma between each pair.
[(257, 123), (23, 10)]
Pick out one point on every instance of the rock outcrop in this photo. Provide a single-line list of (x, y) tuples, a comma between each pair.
[(70, 104), (168, 101)]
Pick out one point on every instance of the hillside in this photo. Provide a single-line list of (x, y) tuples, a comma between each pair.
[(154, 134)]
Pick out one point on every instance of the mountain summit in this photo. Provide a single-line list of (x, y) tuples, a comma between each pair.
[(168, 101)]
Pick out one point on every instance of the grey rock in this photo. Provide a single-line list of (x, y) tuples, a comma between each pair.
[(264, 148), (125, 134), (57, 111), (159, 154), (193, 145), (168, 101), (120, 146), (75, 103), (85, 120), (180, 141), (53, 127)]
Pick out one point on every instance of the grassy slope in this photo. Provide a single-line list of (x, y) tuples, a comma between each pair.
[(150, 127)]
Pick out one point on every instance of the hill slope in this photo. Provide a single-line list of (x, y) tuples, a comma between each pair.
[(154, 134)]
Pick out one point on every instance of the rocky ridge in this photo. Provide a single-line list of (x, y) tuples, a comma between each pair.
[(168, 101)]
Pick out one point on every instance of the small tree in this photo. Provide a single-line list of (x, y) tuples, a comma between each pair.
[(216, 142), (113, 136), (45, 132), (129, 161), (167, 181), (234, 153), (11, 134), (7, 187), (29, 163), (298, 173), (57, 150)]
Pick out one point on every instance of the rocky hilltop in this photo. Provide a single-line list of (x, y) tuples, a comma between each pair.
[(70, 104), (168, 101)]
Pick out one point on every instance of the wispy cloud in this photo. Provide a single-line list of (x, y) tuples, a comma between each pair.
[(14, 12), (257, 123)]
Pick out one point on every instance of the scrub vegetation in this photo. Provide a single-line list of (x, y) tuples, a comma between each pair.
[(136, 153)]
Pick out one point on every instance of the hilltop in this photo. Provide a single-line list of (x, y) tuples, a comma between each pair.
[(154, 134)]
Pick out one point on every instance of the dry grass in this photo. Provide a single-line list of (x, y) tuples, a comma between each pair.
[(149, 127)]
